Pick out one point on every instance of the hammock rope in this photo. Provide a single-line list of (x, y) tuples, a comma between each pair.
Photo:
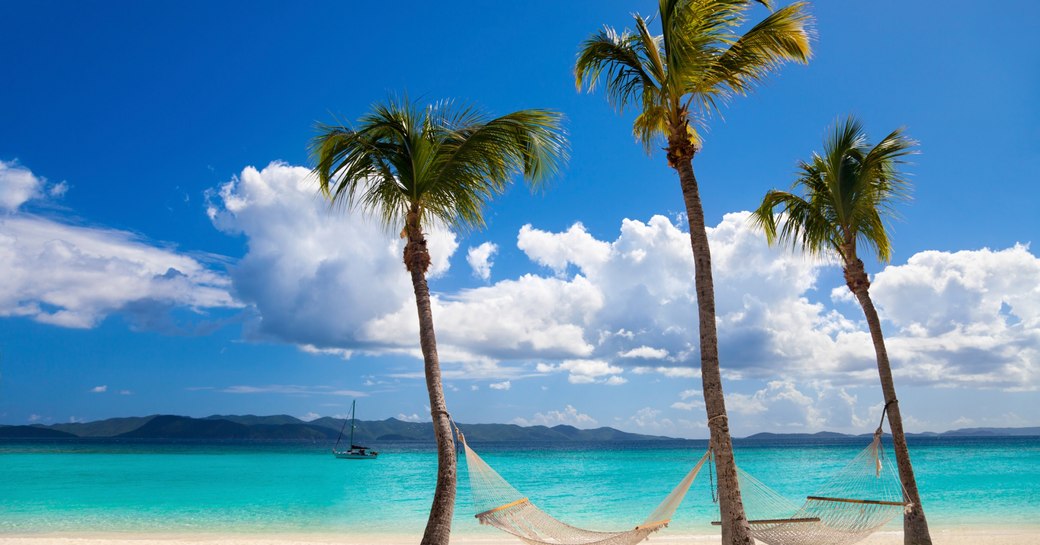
[(858, 500), (502, 506)]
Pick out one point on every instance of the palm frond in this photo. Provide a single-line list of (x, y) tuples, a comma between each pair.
[(442, 160), (613, 59), (781, 37), (847, 195), (695, 65)]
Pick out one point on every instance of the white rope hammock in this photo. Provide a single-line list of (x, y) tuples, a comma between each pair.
[(858, 500), (505, 508)]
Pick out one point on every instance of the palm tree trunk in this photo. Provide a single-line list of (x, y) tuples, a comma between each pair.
[(915, 526), (438, 526), (735, 528)]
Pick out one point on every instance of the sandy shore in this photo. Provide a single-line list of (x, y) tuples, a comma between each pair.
[(972, 536)]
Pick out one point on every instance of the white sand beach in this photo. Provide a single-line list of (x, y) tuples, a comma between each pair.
[(972, 536)]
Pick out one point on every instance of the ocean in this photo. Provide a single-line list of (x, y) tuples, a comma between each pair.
[(187, 487)]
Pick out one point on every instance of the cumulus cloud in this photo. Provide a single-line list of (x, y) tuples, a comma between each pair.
[(605, 310), (670, 372), (557, 250), (645, 352), (75, 276), (17, 185), (525, 318), (479, 259), (965, 318), (315, 275), (651, 420), (409, 417), (585, 371), (99, 389), (504, 385), (803, 406), (568, 416), (689, 400)]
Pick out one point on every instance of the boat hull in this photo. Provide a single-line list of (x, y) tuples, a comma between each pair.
[(347, 455)]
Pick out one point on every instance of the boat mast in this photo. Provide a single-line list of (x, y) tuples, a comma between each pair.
[(353, 408)]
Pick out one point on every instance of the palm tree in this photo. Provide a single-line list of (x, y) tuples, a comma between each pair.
[(847, 193), (411, 166), (685, 73)]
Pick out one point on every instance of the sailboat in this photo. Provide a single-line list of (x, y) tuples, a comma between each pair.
[(355, 452)]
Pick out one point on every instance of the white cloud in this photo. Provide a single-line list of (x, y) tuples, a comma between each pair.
[(409, 417), (557, 250), (315, 274), (75, 276), (785, 405), (99, 389), (504, 385), (479, 259), (585, 371), (690, 399), (670, 372), (58, 190), (333, 281), (513, 319), (649, 420), (17, 185), (310, 417), (967, 318), (646, 353), (288, 389), (568, 416)]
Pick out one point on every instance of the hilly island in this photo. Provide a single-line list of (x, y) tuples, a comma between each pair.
[(289, 428)]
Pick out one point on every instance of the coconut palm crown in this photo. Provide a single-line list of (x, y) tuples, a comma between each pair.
[(440, 161), (847, 194), (693, 67), (411, 166), (839, 203)]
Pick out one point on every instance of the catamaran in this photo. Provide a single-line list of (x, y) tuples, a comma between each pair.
[(355, 452)]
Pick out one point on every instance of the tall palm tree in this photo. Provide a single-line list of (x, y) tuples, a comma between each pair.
[(846, 194), (411, 166), (685, 73)]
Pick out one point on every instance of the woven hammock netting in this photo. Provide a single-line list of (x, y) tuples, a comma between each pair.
[(502, 506), (861, 498)]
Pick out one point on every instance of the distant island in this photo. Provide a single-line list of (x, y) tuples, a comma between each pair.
[(289, 428)]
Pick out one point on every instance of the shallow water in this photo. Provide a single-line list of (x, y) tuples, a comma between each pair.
[(110, 486)]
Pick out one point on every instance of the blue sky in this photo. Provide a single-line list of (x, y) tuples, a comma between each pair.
[(164, 252)]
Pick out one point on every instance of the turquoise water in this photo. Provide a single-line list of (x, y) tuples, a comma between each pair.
[(291, 488)]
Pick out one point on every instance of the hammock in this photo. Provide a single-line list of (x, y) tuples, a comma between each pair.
[(861, 498), (858, 500), (503, 507)]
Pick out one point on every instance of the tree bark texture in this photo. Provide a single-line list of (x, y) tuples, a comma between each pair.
[(915, 525), (438, 526), (735, 527)]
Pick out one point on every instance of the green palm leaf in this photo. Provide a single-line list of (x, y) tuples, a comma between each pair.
[(441, 161), (841, 199)]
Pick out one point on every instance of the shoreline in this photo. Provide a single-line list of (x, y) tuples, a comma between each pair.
[(1009, 535)]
